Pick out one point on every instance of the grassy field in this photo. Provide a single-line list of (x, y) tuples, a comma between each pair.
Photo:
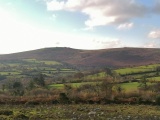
[(51, 62), (45, 62), (154, 78), (30, 67), (128, 87), (61, 86), (137, 69), (97, 76), (80, 112), (132, 72)]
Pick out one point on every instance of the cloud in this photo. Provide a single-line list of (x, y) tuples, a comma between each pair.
[(125, 26), (55, 5), (113, 44), (154, 34), (24, 36), (102, 12), (156, 8), (152, 44), (103, 43)]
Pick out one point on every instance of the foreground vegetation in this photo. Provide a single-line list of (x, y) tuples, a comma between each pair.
[(79, 112)]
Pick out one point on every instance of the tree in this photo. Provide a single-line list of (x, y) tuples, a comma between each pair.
[(31, 85), (39, 80), (108, 71), (158, 68), (119, 88), (143, 83), (79, 75), (107, 88), (17, 88), (3, 87)]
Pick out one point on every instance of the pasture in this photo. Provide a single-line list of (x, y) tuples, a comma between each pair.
[(96, 76), (138, 69), (30, 67), (61, 86), (127, 87)]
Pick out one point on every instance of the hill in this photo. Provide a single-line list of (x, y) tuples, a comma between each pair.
[(116, 57)]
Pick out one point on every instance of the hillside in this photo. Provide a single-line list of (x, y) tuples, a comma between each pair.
[(117, 57)]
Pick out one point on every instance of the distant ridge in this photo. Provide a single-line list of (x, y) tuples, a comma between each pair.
[(116, 57)]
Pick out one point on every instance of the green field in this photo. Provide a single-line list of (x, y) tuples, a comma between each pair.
[(97, 76), (138, 69), (154, 78), (128, 87), (51, 62), (30, 67), (61, 86), (39, 61)]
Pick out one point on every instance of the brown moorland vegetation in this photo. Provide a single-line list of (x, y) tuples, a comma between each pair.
[(116, 57)]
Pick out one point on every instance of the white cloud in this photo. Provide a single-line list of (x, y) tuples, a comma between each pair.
[(102, 12), (104, 42), (125, 26), (55, 5), (87, 42), (151, 45), (154, 34), (97, 18), (113, 44)]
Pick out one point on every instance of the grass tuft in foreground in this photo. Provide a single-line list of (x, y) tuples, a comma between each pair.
[(81, 112)]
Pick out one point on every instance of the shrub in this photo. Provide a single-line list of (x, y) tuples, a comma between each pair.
[(6, 112), (63, 98), (40, 92), (21, 117), (158, 99)]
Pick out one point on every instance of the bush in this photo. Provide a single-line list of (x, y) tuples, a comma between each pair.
[(40, 92), (6, 112), (63, 98), (158, 99), (21, 117)]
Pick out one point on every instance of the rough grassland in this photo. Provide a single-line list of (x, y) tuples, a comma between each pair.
[(79, 112)]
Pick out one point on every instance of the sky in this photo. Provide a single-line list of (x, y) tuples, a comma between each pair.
[(81, 24)]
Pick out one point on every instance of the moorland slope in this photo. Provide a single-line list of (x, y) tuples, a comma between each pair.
[(116, 57)]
